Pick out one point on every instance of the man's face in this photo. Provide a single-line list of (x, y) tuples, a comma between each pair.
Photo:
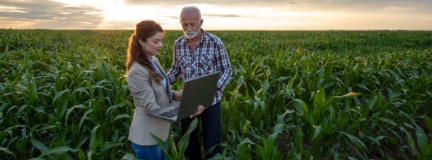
[(191, 24)]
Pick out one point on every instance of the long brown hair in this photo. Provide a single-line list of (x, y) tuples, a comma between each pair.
[(135, 52)]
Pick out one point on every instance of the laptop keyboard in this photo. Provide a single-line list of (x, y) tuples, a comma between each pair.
[(171, 113)]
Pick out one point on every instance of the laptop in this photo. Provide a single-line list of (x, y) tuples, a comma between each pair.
[(196, 91)]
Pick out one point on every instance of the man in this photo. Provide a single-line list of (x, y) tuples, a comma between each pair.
[(199, 53)]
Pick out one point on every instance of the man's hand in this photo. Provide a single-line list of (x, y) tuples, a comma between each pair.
[(200, 109)]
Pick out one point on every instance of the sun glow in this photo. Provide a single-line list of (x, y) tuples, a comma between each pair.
[(115, 12), (108, 9), (130, 13)]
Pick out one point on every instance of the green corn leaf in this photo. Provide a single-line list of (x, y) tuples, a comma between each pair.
[(270, 141), (319, 99), (422, 141), (39, 145), (58, 94), (280, 118), (281, 79), (69, 111), (81, 90), (278, 128), (93, 138), (427, 121), (184, 140), (243, 149), (377, 139), (246, 141), (173, 148), (355, 140), (317, 131), (246, 127), (161, 145), (265, 87), (58, 150), (301, 108), (298, 141), (6, 150), (372, 103), (291, 82), (120, 117), (84, 117), (412, 144), (81, 155), (129, 156), (389, 121)]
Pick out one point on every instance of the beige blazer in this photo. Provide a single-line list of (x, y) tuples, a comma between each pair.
[(147, 95)]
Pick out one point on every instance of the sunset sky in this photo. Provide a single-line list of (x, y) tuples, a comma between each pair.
[(220, 14)]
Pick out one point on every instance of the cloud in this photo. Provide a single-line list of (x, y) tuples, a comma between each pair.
[(362, 5), (221, 15), (297, 4), (332, 6), (47, 14), (12, 9), (212, 2)]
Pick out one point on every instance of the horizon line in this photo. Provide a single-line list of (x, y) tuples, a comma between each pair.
[(223, 29)]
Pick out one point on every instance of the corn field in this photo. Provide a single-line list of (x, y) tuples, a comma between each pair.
[(293, 95)]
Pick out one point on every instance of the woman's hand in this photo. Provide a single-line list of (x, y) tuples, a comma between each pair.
[(200, 109), (177, 95)]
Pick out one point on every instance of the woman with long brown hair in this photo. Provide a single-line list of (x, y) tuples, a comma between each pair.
[(149, 88)]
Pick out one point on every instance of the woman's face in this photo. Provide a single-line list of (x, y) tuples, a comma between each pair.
[(153, 45)]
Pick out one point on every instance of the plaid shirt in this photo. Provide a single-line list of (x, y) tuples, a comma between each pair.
[(209, 56)]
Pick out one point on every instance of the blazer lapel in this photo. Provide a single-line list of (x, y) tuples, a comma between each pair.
[(168, 90)]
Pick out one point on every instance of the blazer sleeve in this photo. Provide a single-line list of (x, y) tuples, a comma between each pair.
[(138, 80)]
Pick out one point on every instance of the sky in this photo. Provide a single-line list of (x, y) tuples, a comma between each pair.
[(219, 14)]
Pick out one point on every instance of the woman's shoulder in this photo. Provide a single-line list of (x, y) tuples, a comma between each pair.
[(138, 68)]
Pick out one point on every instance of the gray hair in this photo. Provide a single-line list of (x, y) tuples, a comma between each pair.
[(191, 9)]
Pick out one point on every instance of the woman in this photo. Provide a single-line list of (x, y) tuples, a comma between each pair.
[(149, 88)]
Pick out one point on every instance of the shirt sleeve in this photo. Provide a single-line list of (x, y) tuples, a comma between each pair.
[(174, 71), (223, 65)]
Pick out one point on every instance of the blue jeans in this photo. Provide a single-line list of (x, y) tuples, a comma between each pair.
[(211, 135), (153, 152)]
